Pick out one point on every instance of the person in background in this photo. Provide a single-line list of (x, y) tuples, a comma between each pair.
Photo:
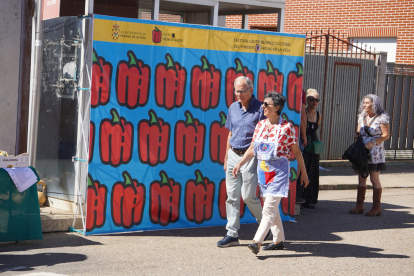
[(303, 121), (373, 125), (242, 118), (303, 141), (313, 120), (273, 141)]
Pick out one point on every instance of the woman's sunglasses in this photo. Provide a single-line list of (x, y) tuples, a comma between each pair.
[(266, 104), (312, 99)]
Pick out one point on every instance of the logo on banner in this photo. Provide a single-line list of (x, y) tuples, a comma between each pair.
[(156, 35), (258, 48), (115, 31)]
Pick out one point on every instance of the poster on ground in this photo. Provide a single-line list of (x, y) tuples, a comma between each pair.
[(159, 102)]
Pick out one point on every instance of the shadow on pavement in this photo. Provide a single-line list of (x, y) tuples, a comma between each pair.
[(331, 217), (50, 240), (29, 262), (332, 250), (315, 230), (319, 224)]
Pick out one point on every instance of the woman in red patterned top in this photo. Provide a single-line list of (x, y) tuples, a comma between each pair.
[(273, 141)]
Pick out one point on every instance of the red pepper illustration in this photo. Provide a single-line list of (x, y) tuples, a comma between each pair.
[(153, 140), (294, 89), (231, 75), (115, 140), (199, 198), (165, 199), (101, 81), (269, 80), (296, 127), (170, 81), (205, 85), (222, 197), (189, 140), (91, 140), (258, 196), (132, 82), (128, 201), (288, 203), (218, 139), (96, 201), (156, 35)]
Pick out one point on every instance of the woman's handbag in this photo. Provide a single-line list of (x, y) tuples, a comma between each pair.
[(316, 147), (359, 156)]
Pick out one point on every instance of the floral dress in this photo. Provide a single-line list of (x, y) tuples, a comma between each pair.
[(271, 146), (377, 162)]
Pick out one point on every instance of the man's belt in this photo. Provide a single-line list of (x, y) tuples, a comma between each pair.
[(238, 151)]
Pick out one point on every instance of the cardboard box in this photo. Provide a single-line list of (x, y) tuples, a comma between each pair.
[(21, 160)]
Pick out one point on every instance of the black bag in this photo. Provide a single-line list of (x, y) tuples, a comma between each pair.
[(359, 156)]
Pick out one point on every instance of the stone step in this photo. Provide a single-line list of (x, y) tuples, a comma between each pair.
[(56, 220)]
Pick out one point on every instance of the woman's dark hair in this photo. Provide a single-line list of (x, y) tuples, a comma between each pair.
[(278, 100)]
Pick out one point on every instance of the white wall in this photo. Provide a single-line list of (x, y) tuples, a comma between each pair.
[(10, 28), (380, 44)]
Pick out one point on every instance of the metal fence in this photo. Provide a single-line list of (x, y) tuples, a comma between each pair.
[(400, 69), (399, 104), (343, 74)]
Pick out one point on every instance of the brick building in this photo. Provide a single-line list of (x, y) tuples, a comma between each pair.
[(386, 25)]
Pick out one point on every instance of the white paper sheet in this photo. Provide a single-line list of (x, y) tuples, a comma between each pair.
[(23, 178)]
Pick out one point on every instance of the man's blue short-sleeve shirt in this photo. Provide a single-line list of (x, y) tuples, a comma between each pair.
[(242, 123)]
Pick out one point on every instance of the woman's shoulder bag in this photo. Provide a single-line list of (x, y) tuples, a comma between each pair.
[(316, 147), (359, 156)]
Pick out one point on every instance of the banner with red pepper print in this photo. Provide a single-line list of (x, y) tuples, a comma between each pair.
[(160, 98)]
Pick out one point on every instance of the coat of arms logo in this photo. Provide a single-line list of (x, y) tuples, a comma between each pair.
[(115, 31)]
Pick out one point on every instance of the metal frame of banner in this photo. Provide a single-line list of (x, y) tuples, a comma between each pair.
[(84, 96)]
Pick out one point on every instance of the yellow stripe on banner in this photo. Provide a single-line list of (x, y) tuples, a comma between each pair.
[(182, 37)]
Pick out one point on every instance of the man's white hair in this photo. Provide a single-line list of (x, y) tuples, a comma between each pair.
[(248, 81)]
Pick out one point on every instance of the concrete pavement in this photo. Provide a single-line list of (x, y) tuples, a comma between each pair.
[(323, 241), (398, 175)]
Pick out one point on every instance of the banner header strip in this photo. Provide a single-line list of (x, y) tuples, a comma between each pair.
[(180, 36), (193, 26)]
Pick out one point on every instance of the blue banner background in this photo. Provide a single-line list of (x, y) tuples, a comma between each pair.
[(153, 55)]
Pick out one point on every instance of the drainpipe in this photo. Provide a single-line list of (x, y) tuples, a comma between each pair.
[(155, 11), (35, 89), (281, 20), (381, 77)]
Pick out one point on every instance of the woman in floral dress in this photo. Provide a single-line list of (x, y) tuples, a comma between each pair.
[(273, 141), (373, 125)]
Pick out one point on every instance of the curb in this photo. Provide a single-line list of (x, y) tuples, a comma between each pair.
[(328, 187), (340, 187), (346, 163), (59, 223)]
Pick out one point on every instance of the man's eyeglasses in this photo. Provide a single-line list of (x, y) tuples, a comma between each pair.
[(266, 104), (312, 99), (241, 92)]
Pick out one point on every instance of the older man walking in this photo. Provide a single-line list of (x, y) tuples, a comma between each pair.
[(242, 118)]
